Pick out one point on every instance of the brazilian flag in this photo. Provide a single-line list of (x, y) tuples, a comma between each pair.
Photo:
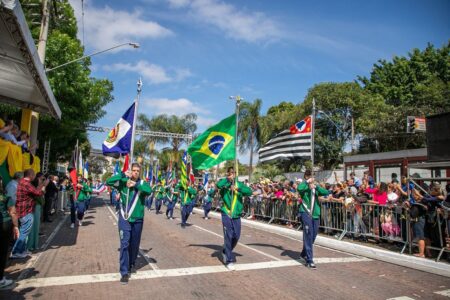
[(215, 145)]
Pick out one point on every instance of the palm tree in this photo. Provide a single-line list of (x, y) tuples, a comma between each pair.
[(185, 124), (250, 129)]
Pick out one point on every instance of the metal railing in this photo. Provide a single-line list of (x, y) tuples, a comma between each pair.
[(391, 224)]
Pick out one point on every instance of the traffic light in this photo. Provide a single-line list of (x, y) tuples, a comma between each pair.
[(410, 124)]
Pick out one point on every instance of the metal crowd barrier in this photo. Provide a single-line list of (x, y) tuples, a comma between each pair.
[(390, 223)]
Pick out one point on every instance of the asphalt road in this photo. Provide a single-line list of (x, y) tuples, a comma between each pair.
[(176, 263)]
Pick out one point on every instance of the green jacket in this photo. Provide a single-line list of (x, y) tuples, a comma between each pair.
[(119, 182), (186, 196), (160, 192), (83, 194), (305, 193), (171, 194), (232, 205), (210, 196)]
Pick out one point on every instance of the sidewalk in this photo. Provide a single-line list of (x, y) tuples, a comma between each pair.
[(20, 268)]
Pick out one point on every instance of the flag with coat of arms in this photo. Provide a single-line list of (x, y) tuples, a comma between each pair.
[(215, 145), (118, 141)]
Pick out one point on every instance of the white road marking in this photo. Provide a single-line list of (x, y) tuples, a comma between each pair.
[(445, 293), (286, 236), (152, 265), (243, 245), (34, 258), (401, 298), (96, 278)]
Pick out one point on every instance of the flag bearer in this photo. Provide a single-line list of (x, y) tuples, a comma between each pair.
[(160, 194), (309, 213), (132, 191), (186, 196), (211, 191), (172, 198), (232, 193), (81, 195), (89, 194)]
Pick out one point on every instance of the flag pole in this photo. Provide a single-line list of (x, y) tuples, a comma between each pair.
[(313, 128), (139, 89), (136, 103), (236, 164), (76, 166)]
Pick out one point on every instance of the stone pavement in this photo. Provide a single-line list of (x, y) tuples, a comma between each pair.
[(176, 263)]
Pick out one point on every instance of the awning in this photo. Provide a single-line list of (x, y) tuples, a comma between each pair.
[(23, 81)]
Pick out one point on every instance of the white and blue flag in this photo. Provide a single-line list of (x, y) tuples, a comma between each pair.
[(119, 138)]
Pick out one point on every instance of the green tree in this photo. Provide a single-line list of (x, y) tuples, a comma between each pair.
[(337, 104), (249, 129), (415, 85), (98, 164), (80, 96), (185, 124)]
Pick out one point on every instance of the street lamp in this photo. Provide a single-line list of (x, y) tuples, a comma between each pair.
[(134, 45), (330, 119)]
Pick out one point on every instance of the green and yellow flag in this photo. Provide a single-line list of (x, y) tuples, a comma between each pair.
[(215, 145)]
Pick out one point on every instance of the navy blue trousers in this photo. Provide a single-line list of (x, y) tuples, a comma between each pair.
[(81, 208), (207, 208), (231, 235), (185, 211), (170, 207), (149, 202), (87, 203), (310, 230), (158, 204), (73, 216), (130, 239)]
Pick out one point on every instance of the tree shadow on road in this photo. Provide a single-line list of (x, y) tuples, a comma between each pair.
[(285, 252), (218, 250), (17, 294)]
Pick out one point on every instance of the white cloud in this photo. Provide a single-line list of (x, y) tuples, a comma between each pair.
[(177, 107), (236, 23), (178, 3), (155, 74), (105, 27)]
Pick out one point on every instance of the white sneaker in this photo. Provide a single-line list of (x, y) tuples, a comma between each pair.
[(18, 255), (72, 225), (4, 283), (224, 257), (171, 218), (231, 267), (80, 223)]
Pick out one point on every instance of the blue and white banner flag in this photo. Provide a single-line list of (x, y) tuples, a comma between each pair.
[(119, 138)]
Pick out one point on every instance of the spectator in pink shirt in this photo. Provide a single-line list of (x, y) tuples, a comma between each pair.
[(379, 193)]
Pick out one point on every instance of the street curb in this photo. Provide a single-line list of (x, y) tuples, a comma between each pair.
[(404, 260)]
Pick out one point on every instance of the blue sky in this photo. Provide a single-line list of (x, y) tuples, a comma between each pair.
[(194, 54)]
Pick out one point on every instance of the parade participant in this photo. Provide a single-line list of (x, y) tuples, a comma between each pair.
[(89, 194), (232, 204), (149, 202), (133, 191), (160, 194), (172, 198), (186, 196), (309, 213), (81, 195), (73, 209), (209, 197)]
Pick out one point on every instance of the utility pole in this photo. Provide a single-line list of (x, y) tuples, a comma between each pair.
[(30, 119), (353, 140)]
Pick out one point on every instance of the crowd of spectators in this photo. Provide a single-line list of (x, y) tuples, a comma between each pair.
[(363, 208)]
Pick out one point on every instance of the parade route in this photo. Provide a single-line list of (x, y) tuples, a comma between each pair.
[(176, 263)]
